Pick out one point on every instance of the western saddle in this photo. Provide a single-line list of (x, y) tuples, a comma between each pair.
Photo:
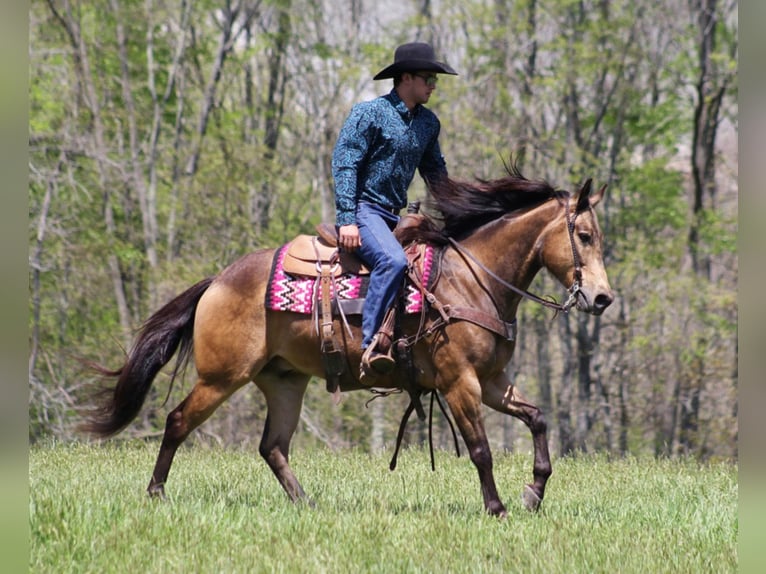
[(318, 256)]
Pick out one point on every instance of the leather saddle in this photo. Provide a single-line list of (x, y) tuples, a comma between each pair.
[(309, 255), (318, 256)]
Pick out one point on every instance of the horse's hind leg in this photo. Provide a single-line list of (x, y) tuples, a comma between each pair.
[(192, 412), (502, 396), (284, 399)]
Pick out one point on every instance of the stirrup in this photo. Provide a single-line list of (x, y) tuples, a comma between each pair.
[(375, 362)]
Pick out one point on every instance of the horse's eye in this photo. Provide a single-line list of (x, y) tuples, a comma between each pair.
[(585, 238)]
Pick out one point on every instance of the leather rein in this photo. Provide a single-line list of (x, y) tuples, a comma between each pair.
[(573, 290), (495, 324)]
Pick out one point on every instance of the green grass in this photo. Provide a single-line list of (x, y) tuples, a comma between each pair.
[(227, 513)]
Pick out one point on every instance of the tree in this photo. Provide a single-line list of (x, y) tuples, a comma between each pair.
[(168, 139)]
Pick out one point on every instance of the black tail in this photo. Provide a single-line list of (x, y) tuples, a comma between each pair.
[(157, 341)]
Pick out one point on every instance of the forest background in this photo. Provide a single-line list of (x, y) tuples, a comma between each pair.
[(169, 138)]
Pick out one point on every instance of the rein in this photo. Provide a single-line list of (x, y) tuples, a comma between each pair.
[(573, 290), (496, 325)]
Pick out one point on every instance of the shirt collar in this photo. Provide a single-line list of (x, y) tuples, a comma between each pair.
[(399, 104)]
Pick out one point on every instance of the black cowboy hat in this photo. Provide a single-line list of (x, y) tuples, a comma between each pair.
[(414, 57)]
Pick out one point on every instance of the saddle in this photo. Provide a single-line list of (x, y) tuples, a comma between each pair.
[(311, 255), (308, 254), (318, 257)]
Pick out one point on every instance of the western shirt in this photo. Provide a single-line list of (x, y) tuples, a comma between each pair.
[(379, 147)]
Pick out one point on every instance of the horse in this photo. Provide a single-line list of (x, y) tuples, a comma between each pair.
[(492, 238)]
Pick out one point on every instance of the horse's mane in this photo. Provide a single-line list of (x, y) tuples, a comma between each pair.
[(461, 207)]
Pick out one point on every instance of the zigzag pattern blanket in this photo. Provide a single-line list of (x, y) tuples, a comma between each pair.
[(299, 294)]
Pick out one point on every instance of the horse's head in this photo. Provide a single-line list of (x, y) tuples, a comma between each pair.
[(573, 252)]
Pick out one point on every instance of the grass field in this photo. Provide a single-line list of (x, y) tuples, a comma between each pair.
[(226, 513)]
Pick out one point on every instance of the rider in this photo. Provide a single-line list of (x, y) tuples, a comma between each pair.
[(381, 144)]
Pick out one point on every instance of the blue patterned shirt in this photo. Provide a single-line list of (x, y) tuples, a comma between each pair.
[(378, 150)]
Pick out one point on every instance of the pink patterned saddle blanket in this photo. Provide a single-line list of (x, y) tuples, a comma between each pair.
[(299, 293)]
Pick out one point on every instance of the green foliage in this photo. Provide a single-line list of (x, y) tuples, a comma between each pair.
[(659, 125), (607, 96), (226, 512), (718, 232), (653, 214)]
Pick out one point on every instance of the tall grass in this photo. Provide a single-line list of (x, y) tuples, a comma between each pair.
[(227, 513)]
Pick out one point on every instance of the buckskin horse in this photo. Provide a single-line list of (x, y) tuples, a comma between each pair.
[(491, 238)]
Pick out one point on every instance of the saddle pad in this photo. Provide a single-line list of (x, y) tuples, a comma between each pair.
[(296, 293)]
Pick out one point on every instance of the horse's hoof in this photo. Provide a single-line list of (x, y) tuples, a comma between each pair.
[(530, 499), (306, 502), (156, 492)]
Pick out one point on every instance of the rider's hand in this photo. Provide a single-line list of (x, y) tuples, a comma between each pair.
[(348, 237)]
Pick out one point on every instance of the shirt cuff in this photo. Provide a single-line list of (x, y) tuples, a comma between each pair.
[(345, 218)]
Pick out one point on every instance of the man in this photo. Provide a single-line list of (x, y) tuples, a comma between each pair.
[(381, 144)]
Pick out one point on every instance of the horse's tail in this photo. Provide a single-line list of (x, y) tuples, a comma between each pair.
[(160, 336)]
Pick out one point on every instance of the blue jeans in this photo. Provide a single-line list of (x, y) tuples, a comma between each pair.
[(383, 254)]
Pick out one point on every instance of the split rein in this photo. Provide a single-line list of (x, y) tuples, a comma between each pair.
[(408, 342), (573, 290)]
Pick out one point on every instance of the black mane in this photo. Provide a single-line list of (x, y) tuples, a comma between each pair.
[(462, 207)]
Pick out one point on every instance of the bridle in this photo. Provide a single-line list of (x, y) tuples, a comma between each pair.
[(573, 291)]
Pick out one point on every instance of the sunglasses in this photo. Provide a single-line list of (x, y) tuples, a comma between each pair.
[(429, 79)]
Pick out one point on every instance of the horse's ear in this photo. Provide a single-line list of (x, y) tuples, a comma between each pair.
[(586, 199), (583, 202), (598, 196)]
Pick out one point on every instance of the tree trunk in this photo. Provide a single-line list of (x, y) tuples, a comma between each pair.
[(665, 437), (584, 345), (159, 105), (544, 371), (711, 88), (274, 110), (97, 149), (566, 407), (225, 44), (136, 180), (35, 265)]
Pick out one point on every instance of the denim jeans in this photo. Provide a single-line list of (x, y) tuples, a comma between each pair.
[(383, 254)]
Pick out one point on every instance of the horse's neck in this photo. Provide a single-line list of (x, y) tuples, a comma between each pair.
[(509, 248)]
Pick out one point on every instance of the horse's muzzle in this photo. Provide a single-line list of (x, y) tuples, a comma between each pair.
[(594, 306)]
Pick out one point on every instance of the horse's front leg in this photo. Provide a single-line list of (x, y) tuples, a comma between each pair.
[(464, 399), (503, 396)]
